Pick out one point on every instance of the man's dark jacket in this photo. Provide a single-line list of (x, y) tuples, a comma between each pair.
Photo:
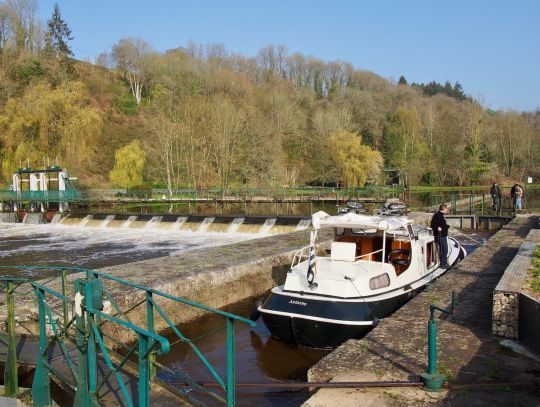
[(438, 221), (495, 191)]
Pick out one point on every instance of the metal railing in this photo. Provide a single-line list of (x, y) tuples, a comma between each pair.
[(42, 196), (76, 316)]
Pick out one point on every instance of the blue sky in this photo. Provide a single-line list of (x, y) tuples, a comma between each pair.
[(490, 47)]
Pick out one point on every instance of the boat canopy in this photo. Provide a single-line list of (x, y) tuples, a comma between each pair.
[(355, 221)]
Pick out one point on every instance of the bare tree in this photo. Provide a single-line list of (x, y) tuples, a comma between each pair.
[(134, 57)]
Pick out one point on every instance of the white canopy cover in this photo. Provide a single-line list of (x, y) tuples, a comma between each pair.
[(355, 221)]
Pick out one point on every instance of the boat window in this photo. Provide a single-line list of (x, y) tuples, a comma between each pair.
[(364, 231), (401, 234), (381, 281)]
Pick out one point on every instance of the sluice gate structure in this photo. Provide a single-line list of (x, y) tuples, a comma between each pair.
[(47, 190)]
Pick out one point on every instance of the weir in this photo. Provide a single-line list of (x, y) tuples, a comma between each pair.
[(193, 223)]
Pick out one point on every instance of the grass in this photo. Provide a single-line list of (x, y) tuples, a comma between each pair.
[(534, 271), (445, 370), (433, 299), (397, 398)]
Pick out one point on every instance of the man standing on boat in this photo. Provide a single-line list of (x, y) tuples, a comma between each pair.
[(440, 231)]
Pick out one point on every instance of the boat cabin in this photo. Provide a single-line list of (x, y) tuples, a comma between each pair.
[(374, 245), (390, 240)]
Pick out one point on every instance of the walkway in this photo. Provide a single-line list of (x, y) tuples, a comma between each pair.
[(481, 371)]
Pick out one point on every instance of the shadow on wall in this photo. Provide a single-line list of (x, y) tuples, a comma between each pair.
[(279, 274)]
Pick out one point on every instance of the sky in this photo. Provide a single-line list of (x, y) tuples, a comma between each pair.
[(490, 47)]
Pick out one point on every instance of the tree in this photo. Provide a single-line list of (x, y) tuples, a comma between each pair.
[(402, 80), (53, 122), (128, 166), (23, 23), (57, 36), (134, 57), (355, 162), (403, 147)]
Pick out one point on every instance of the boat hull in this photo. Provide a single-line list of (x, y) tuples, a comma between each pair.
[(324, 323)]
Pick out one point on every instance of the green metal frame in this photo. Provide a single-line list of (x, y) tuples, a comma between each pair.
[(11, 377), (433, 380), (90, 340), (69, 195)]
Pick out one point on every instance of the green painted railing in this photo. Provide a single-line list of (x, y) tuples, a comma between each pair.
[(42, 196), (84, 327)]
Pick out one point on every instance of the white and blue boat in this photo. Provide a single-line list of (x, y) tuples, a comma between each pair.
[(375, 265)]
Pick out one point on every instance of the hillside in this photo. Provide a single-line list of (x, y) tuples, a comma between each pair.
[(203, 117)]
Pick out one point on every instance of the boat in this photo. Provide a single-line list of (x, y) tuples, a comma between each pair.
[(376, 264)]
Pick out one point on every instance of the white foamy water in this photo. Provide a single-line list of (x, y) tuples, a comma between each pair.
[(268, 223), (99, 246)]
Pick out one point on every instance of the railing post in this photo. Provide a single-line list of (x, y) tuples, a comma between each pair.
[(64, 302), (150, 328), (91, 347), (81, 394), (433, 380), (231, 364), (41, 386), (11, 378), (144, 371)]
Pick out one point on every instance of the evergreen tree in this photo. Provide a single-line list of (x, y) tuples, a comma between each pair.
[(402, 80), (57, 36)]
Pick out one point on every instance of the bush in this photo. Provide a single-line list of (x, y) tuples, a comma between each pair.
[(126, 105), (140, 191), (28, 70)]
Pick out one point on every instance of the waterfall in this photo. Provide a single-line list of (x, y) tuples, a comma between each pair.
[(205, 223), (268, 223), (152, 222), (107, 220), (56, 218), (34, 218), (8, 217), (233, 227), (303, 224), (85, 220), (129, 221), (179, 222)]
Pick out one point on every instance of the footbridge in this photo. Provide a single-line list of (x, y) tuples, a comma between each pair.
[(82, 349)]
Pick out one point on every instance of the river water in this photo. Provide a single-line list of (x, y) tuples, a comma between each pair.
[(96, 247), (260, 358)]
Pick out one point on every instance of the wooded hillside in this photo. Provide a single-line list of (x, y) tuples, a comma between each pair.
[(200, 116)]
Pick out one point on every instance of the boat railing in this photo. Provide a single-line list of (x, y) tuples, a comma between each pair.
[(300, 255), (368, 254)]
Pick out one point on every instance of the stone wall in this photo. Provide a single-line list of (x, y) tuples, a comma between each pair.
[(506, 314), (505, 318)]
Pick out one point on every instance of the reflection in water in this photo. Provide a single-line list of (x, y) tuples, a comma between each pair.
[(259, 359), (416, 200)]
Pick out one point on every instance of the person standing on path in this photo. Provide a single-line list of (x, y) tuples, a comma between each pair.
[(495, 192), (440, 231), (519, 197)]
